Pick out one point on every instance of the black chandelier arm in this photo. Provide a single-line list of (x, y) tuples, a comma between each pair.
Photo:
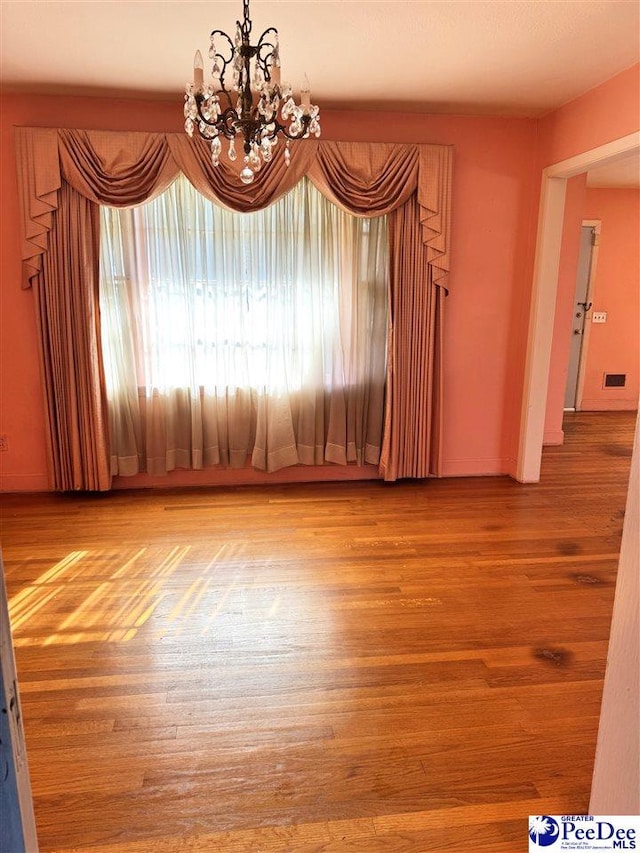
[(229, 119), (278, 127), (306, 121), (200, 98), (219, 56), (265, 50), (224, 123)]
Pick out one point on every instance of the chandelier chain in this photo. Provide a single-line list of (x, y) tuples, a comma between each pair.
[(245, 15)]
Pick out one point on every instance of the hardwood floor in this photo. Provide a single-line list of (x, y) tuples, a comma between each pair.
[(328, 667)]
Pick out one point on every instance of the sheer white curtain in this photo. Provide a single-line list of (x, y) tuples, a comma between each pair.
[(230, 335)]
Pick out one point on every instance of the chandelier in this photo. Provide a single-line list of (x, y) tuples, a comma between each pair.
[(246, 99)]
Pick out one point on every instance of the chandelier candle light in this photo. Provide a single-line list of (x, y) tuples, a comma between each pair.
[(230, 107)]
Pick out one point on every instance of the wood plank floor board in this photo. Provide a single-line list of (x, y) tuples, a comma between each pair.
[(318, 667)]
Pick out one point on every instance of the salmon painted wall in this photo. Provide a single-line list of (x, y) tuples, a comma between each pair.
[(563, 320), (493, 210), (607, 112), (614, 346)]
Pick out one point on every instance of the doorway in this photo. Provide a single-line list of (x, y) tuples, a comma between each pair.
[(578, 349), (545, 280)]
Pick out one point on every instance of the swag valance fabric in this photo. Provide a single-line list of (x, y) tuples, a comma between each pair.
[(126, 168), (64, 175)]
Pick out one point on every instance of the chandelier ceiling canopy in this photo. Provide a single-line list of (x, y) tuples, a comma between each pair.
[(244, 98)]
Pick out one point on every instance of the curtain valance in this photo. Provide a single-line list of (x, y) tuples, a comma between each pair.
[(120, 169)]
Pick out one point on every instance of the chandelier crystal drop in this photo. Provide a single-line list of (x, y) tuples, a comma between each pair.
[(246, 99)]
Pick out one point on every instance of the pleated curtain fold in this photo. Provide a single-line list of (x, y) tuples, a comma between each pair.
[(63, 175)]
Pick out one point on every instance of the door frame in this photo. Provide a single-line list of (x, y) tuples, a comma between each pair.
[(544, 294), (20, 824)]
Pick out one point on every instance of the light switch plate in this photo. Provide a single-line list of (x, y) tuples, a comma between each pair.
[(599, 317)]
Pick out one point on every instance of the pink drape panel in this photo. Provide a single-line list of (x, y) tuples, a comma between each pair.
[(434, 206), (413, 406), (69, 325), (411, 182), (39, 180)]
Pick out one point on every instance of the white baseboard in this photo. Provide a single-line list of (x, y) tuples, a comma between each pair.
[(609, 406)]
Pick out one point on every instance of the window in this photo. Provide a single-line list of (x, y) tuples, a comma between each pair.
[(227, 334)]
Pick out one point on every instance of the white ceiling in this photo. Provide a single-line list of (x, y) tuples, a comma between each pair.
[(476, 57), (501, 57)]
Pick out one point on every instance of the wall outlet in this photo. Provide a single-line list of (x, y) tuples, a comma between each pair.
[(599, 317), (4, 443)]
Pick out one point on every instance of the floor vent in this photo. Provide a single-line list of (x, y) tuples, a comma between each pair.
[(615, 380)]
